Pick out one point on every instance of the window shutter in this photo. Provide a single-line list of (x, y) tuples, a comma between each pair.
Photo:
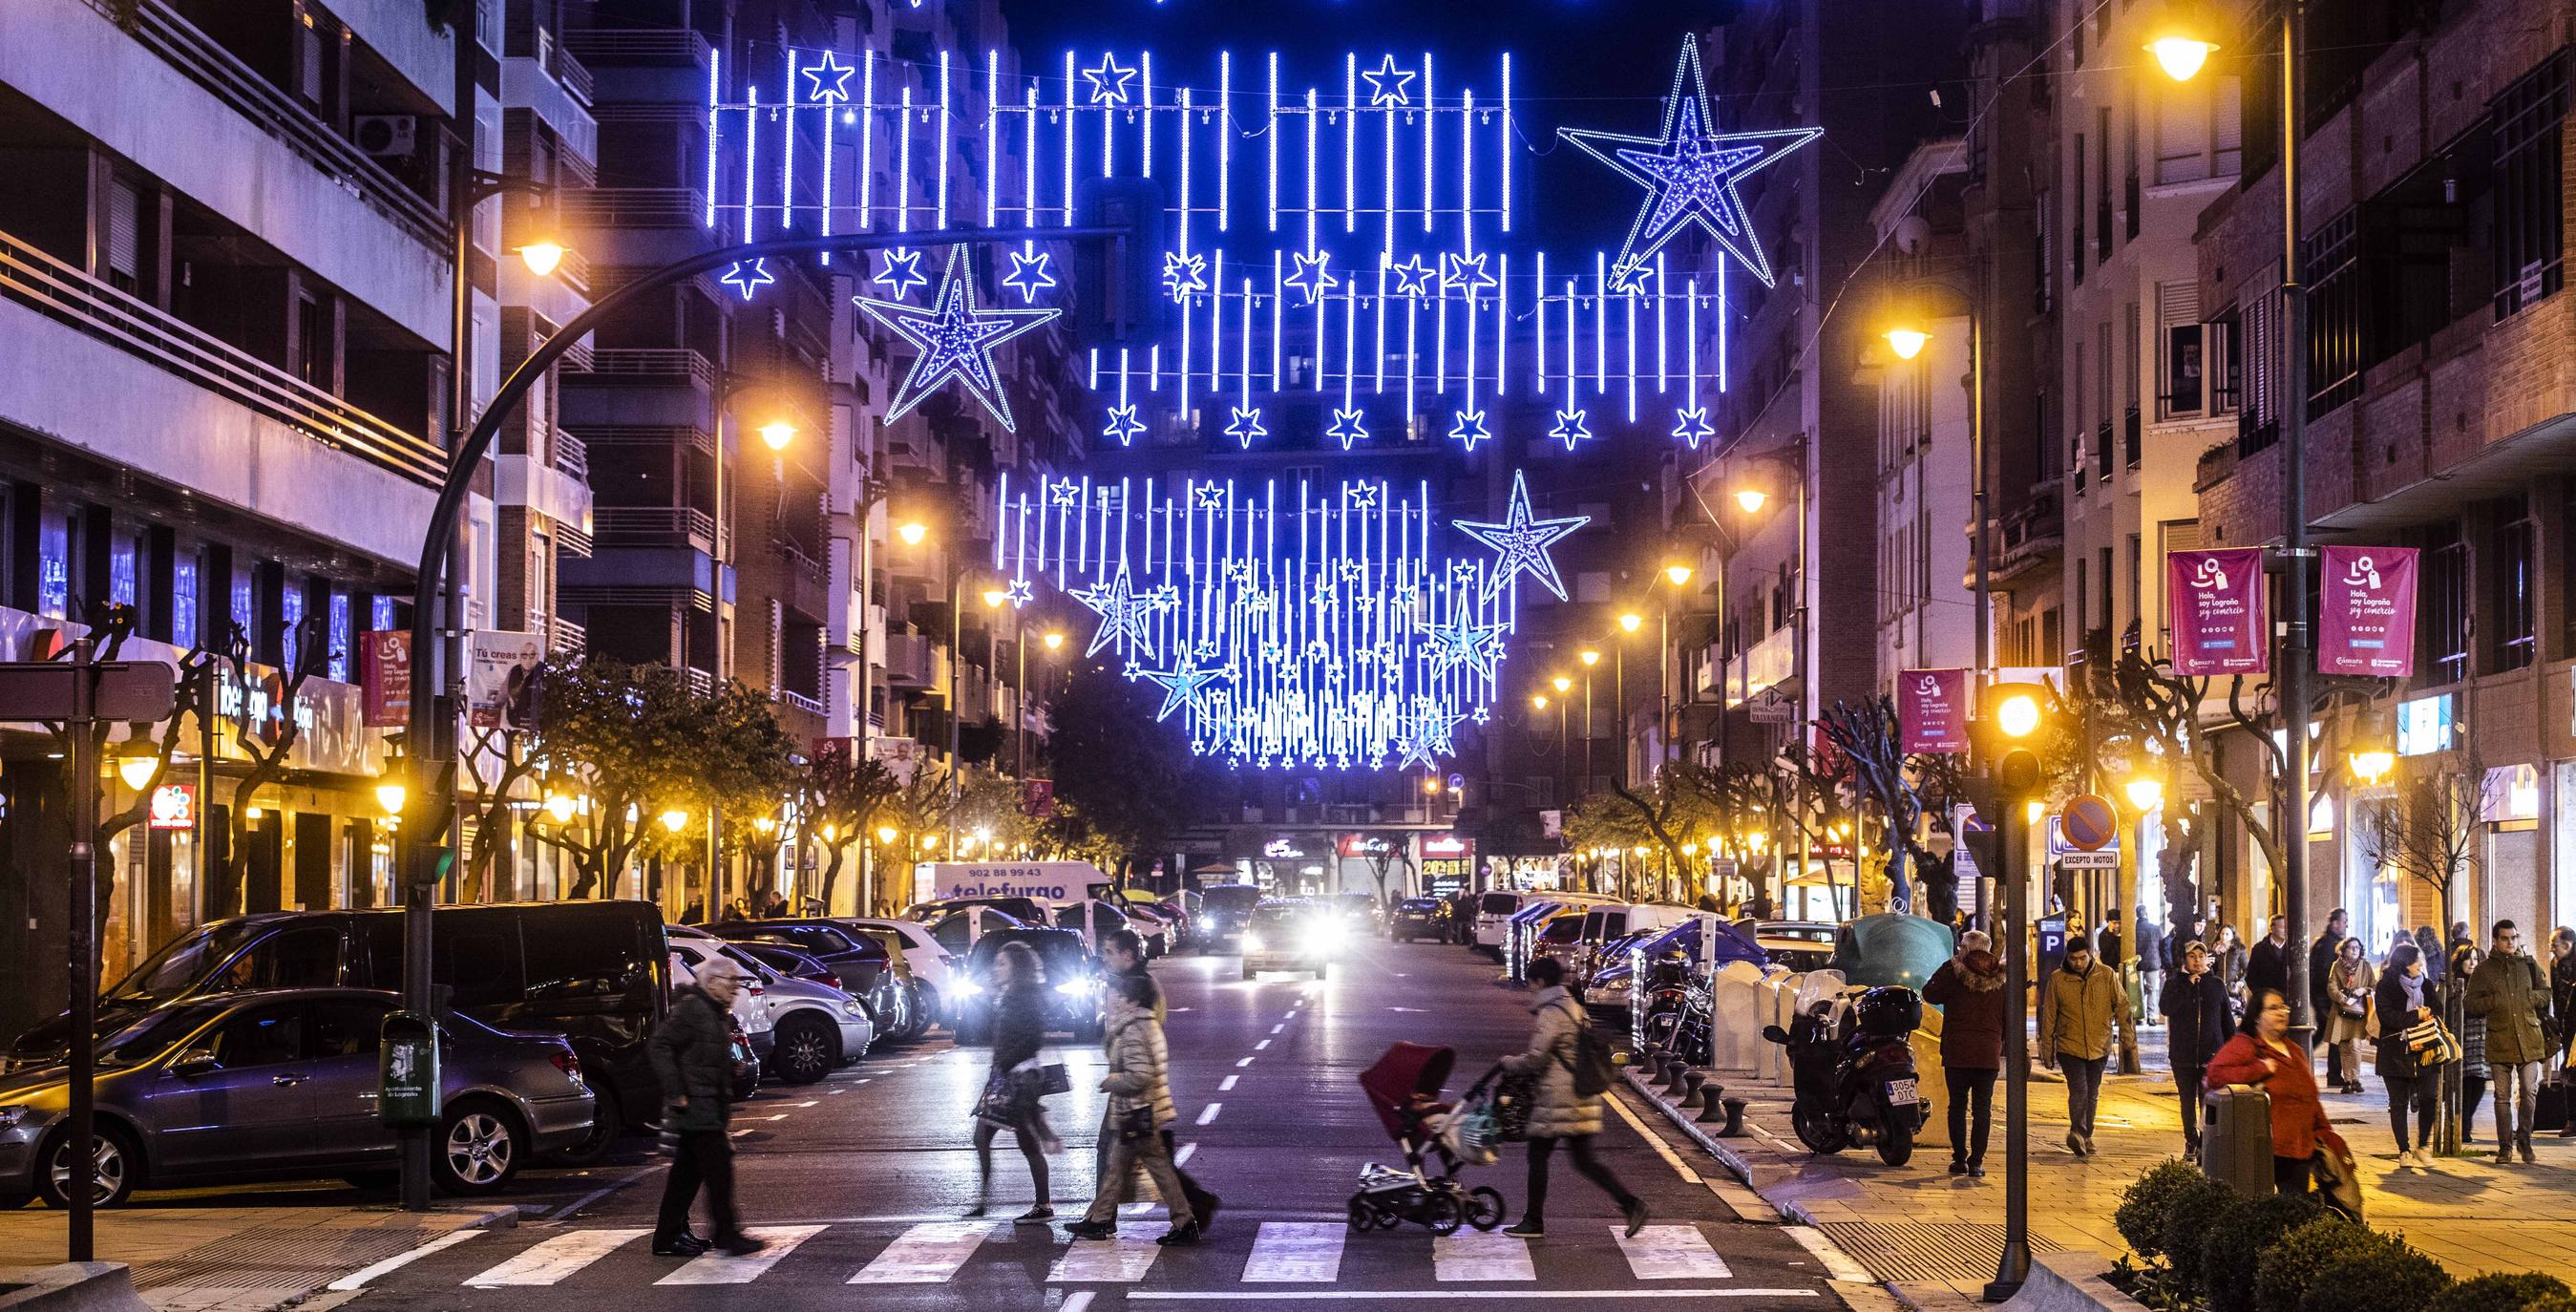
[(124, 238)]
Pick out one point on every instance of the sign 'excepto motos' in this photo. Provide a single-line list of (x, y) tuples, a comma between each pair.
[(2218, 619), (2366, 616), (1932, 710)]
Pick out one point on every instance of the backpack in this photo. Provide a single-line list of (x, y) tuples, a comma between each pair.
[(1593, 1067)]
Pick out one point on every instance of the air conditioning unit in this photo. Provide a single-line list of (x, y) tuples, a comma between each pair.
[(395, 135)]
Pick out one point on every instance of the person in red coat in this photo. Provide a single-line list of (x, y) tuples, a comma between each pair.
[(2262, 1055)]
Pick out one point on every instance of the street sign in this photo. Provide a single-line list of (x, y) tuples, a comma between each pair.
[(2079, 859), (126, 691), (2089, 823), (1771, 706)]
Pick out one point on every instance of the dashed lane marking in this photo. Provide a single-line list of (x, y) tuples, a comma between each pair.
[(1182, 1158), (555, 1258), (1227, 1084), (1120, 1261), (1671, 1252), (1469, 1255), (1243, 1063), (1296, 1252), (1208, 1113), (925, 1254)]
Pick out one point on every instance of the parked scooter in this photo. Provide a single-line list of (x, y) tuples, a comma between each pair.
[(1855, 1082)]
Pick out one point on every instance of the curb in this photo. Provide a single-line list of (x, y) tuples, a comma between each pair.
[(69, 1287), (2058, 1283), (1727, 1157)]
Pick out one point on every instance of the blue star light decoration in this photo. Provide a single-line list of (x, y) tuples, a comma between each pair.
[(1125, 614), (1347, 427), (1413, 277), (1466, 271), (1184, 275), (1185, 686), (899, 271), (1030, 274), (1109, 80), (1690, 425), (1246, 425), (1469, 428), (1520, 544), (1389, 85), (956, 339), (1123, 427), (827, 81), (1570, 427), (748, 276), (1359, 496), (1690, 173), (1464, 643), (1313, 277), (1018, 594)]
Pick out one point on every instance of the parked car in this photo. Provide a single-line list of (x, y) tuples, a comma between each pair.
[(1291, 934), (798, 1045), (1072, 981), (1800, 945), (935, 969), (690, 948), (1224, 911), (1358, 911), (1092, 918), (594, 970), (914, 1000), (1138, 901), (1418, 918), (957, 928), (1494, 912), (864, 965), (1026, 910), (282, 1084), (1154, 929)]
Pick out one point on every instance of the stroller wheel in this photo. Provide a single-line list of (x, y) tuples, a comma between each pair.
[(1443, 1212), (1364, 1214), (1484, 1207)]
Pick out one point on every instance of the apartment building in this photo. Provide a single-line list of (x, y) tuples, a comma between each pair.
[(224, 405), (2441, 404)]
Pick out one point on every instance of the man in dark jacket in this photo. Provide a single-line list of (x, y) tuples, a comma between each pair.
[(2151, 961), (2268, 966), (692, 1055), (2321, 960), (2198, 1020)]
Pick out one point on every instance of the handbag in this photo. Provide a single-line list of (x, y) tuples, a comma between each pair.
[(1136, 1124), (1514, 1094), (2429, 1043), (1054, 1079)]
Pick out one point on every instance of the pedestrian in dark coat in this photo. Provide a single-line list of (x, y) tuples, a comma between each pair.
[(2198, 1017), (2321, 1003), (2404, 996), (2151, 963), (692, 1054), (2512, 993), (1969, 990), (2268, 965), (1012, 1097), (2436, 961)]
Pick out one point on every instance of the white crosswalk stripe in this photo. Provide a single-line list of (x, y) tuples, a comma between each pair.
[(1671, 1252), (556, 1258), (1469, 1255), (1120, 1261), (719, 1269), (1306, 1252), (926, 1254)]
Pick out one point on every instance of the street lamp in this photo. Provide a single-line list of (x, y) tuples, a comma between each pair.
[(137, 771), (675, 820), (560, 806), (912, 532), (1054, 641), (2145, 792), (2371, 755), (1907, 342), (776, 434), (541, 257), (887, 833), (389, 795), (1751, 499)]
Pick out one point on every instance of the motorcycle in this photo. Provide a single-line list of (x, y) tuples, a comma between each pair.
[(1856, 1082)]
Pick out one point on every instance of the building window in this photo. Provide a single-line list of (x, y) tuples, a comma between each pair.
[(2510, 583), (2529, 223), (2443, 640), (2258, 419), (183, 601), (2336, 327), (54, 566), (2075, 247)]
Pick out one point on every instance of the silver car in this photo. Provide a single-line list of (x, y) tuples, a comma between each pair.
[(283, 1084), (813, 1028)]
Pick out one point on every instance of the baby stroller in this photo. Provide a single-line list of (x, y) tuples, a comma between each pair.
[(1404, 1089)]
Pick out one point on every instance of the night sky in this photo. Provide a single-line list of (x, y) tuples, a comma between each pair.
[(1575, 63)]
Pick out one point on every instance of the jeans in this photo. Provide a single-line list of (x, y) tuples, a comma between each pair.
[(2083, 1090), (1578, 1147), (2517, 1091), (2424, 1089), (2337, 1055), (2187, 1082), (1118, 1159), (2151, 986), (1967, 1087), (700, 1157)]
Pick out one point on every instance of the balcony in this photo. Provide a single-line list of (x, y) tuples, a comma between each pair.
[(796, 700), (652, 526), (658, 65), (909, 662), (565, 638), (2029, 536), (672, 365), (631, 207)]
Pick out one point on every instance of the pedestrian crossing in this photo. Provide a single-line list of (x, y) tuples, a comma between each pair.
[(895, 1252)]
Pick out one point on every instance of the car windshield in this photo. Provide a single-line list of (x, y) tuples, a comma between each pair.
[(144, 1039), (1499, 904), (1230, 897), (1283, 914), (182, 962)]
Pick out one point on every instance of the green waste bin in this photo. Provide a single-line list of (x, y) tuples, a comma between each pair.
[(407, 1071)]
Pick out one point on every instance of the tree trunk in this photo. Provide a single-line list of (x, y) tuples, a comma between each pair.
[(831, 875)]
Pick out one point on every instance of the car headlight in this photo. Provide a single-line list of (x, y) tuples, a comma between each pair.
[(12, 1115), (1076, 988), (851, 1007), (1323, 936), (969, 988), (1251, 941)]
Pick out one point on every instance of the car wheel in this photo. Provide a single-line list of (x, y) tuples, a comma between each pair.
[(479, 1148), (808, 1048), (607, 1121), (116, 1165), (928, 1003)]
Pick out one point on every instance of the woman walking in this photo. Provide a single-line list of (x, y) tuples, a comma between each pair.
[(2227, 959), (1140, 1105), (2262, 1055), (1014, 1089), (2473, 1043), (2406, 995), (2075, 1022), (1969, 990), (1559, 1112), (2349, 985)]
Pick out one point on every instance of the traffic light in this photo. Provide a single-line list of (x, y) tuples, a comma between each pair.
[(2009, 719), (1118, 295)]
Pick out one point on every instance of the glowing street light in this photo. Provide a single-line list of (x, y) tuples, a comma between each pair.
[(541, 257), (886, 833), (1588, 656), (1632, 621), (390, 795), (1751, 498), (675, 820), (994, 597), (1562, 683), (2181, 55), (560, 806), (2146, 792), (776, 434), (912, 532), (1053, 640), (1907, 342), (1679, 574), (1538, 702), (137, 771)]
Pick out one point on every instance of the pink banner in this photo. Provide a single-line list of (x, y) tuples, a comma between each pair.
[(1932, 710), (2218, 619), (2366, 620)]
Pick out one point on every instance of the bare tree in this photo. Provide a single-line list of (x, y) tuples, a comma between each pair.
[(507, 756), (1904, 789), (2429, 831), (266, 739)]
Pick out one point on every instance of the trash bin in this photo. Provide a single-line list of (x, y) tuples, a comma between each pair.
[(407, 1071)]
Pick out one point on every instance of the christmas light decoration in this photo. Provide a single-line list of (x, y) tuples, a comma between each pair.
[(1468, 427), (1389, 85), (1520, 544), (1347, 427), (956, 340), (827, 80), (1287, 624), (748, 276), (1246, 425), (1124, 427), (899, 271), (1570, 428), (1108, 81), (1030, 274), (1689, 173)]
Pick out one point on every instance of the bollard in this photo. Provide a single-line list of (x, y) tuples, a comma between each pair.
[(1691, 1082), (1672, 1074), (1710, 1112), (1734, 1120)]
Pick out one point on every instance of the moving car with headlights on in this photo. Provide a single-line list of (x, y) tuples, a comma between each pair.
[(1224, 910), (1072, 984), (1417, 918), (1292, 934), (281, 1084)]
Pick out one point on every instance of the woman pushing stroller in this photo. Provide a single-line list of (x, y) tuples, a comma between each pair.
[(1559, 1112)]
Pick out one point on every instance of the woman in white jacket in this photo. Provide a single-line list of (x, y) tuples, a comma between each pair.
[(1140, 1105), (1557, 1110)]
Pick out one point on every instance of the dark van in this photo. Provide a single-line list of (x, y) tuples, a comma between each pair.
[(597, 971)]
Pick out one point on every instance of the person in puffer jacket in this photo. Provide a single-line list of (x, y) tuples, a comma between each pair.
[(1140, 1105), (1557, 1110)]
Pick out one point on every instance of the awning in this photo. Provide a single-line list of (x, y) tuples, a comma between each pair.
[(2502, 469)]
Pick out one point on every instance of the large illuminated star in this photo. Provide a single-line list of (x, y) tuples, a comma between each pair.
[(748, 276), (956, 340), (1123, 614), (1389, 85), (830, 70), (1246, 425), (1464, 642), (1690, 172), (1690, 424), (1108, 80), (1464, 270), (1520, 543), (1185, 685), (1347, 427)]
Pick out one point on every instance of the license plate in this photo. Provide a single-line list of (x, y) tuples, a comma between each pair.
[(1900, 1093)]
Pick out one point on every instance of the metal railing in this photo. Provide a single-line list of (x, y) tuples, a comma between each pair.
[(69, 296), (572, 455), (809, 705), (565, 638), (665, 364), (613, 526), (631, 207), (617, 47), (160, 29)]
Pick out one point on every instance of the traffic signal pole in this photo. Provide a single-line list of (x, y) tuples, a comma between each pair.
[(429, 752)]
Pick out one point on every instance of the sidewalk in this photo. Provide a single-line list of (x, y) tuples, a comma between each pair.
[(244, 1259), (1933, 1238)]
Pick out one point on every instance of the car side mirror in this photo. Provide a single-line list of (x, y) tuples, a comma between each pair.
[(195, 1062), (1776, 1034)]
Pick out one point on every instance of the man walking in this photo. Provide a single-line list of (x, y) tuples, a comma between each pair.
[(2195, 1007), (2151, 964), (693, 1058), (2321, 960), (1122, 954), (2268, 967), (2510, 991)]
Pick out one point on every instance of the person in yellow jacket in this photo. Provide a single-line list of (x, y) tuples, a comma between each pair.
[(2075, 1019)]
